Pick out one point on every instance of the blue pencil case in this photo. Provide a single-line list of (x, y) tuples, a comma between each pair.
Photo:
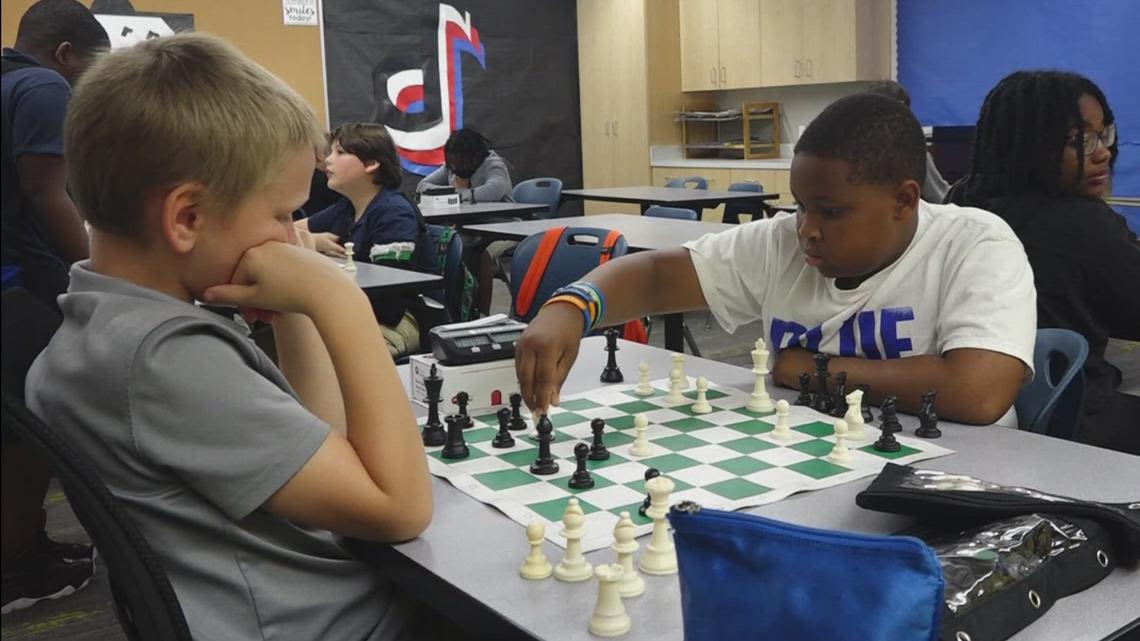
[(748, 577)]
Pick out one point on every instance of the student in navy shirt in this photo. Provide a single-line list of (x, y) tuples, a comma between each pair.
[(383, 225)]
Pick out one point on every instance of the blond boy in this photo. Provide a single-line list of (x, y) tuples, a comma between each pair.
[(188, 160)]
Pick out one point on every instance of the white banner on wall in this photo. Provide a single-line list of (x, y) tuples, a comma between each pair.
[(300, 12)]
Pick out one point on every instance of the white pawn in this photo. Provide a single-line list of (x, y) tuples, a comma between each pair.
[(641, 446), (609, 618), (536, 566), (854, 416), (702, 405), (840, 453), (676, 386), (631, 582), (679, 367), (643, 386), (573, 567), (782, 431), (660, 555), (759, 401), (349, 265)]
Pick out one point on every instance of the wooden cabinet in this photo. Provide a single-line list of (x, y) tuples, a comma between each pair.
[(719, 48), (719, 180), (818, 41), (773, 181)]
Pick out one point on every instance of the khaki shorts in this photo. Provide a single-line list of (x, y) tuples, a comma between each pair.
[(404, 338)]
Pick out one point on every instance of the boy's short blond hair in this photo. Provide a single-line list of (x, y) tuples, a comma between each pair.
[(182, 108)]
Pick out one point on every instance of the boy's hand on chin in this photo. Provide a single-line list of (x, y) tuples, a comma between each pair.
[(280, 278), (302, 238)]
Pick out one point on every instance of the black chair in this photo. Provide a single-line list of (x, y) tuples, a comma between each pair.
[(145, 603)]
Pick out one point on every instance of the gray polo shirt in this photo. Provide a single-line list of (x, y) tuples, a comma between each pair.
[(192, 427)]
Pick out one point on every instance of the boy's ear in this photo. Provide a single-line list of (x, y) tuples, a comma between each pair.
[(63, 53), (372, 167), (181, 216), (906, 198)]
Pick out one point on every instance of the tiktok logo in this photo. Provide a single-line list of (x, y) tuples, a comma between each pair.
[(857, 334)]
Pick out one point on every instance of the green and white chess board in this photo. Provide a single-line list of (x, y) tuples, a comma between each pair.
[(725, 459)]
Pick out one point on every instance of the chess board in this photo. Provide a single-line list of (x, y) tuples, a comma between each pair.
[(725, 459)]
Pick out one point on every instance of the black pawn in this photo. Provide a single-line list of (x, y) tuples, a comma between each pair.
[(611, 374), (889, 426), (805, 390), (517, 421), (868, 416), (651, 473), (503, 439), (461, 399), (598, 451), (839, 397), (928, 418), (581, 479), (433, 433), (455, 446), (821, 400), (544, 464)]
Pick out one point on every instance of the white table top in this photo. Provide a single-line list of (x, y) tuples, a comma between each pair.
[(649, 195), (641, 232), (476, 212), (377, 278)]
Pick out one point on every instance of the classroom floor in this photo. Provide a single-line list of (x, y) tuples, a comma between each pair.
[(89, 614)]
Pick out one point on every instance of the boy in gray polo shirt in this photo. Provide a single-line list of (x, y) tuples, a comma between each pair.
[(188, 161)]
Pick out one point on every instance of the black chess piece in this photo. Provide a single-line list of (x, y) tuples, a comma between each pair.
[(611, 374), (868, 416), (503, 438), (544, 464), (461, 399), (455, 447), (651, 473), (805, 390), (821, 400), (517, 421), (433, 433), (581, 479), (888, 427), (928, 418), (598, 451), (839, 396)]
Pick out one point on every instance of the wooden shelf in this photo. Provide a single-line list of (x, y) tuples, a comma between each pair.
[(706, 141)]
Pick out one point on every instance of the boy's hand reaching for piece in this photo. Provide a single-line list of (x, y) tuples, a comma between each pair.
[(327, 242), (545, 353)]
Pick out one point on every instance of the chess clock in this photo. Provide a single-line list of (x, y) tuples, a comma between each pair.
[(487, 339)]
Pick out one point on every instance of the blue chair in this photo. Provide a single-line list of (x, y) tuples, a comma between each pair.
[(453, 271), (676, 213), (733, 210), (578, 251), (1053, 402), (542, 191), (683, 183)]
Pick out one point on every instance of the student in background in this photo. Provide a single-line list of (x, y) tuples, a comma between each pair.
[(934, 188), (383, 225), (42, 232), (320, 196), (242, 476), (1043, 156), (907, 295)]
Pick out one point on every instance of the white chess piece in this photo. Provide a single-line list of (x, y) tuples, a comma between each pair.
[(349, 264), (759, 401), (536, 566), (679, 366), (609, 618), (573, 567), (643, 386), (631, 582), (782, 431), (641, 446), (660, 555), (854, 416), (702, 405), (676, 386), (840, 453)]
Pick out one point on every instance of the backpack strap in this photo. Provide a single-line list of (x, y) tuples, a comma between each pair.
[(537, 269), (608, 246)]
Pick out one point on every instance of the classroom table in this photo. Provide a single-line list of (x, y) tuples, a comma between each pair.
[(641, 233), (672, 196), (469, 213), (467, 561), (376, 279)]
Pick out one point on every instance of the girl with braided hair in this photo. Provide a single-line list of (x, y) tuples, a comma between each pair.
[(1043, 154)]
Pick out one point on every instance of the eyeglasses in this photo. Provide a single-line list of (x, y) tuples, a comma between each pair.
[(1107, 136)]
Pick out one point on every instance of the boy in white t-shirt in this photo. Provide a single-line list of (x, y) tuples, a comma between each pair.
[(907, 296)]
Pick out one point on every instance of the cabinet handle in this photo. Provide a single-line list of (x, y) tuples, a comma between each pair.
[(615, 128), (723, 76), (607, 128), (712, 75), (810, 68), (797, 69)]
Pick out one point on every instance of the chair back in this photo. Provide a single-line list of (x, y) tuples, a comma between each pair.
[(676, 213), (1052, 403), (683, 183), (578, 250), (732, 210), (454, 271), (542, 191)]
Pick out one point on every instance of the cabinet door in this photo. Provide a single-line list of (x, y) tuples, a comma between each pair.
[(700, 59), (829, 53), (739, 28), (781, 32), (774, 181), (595, 93)]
